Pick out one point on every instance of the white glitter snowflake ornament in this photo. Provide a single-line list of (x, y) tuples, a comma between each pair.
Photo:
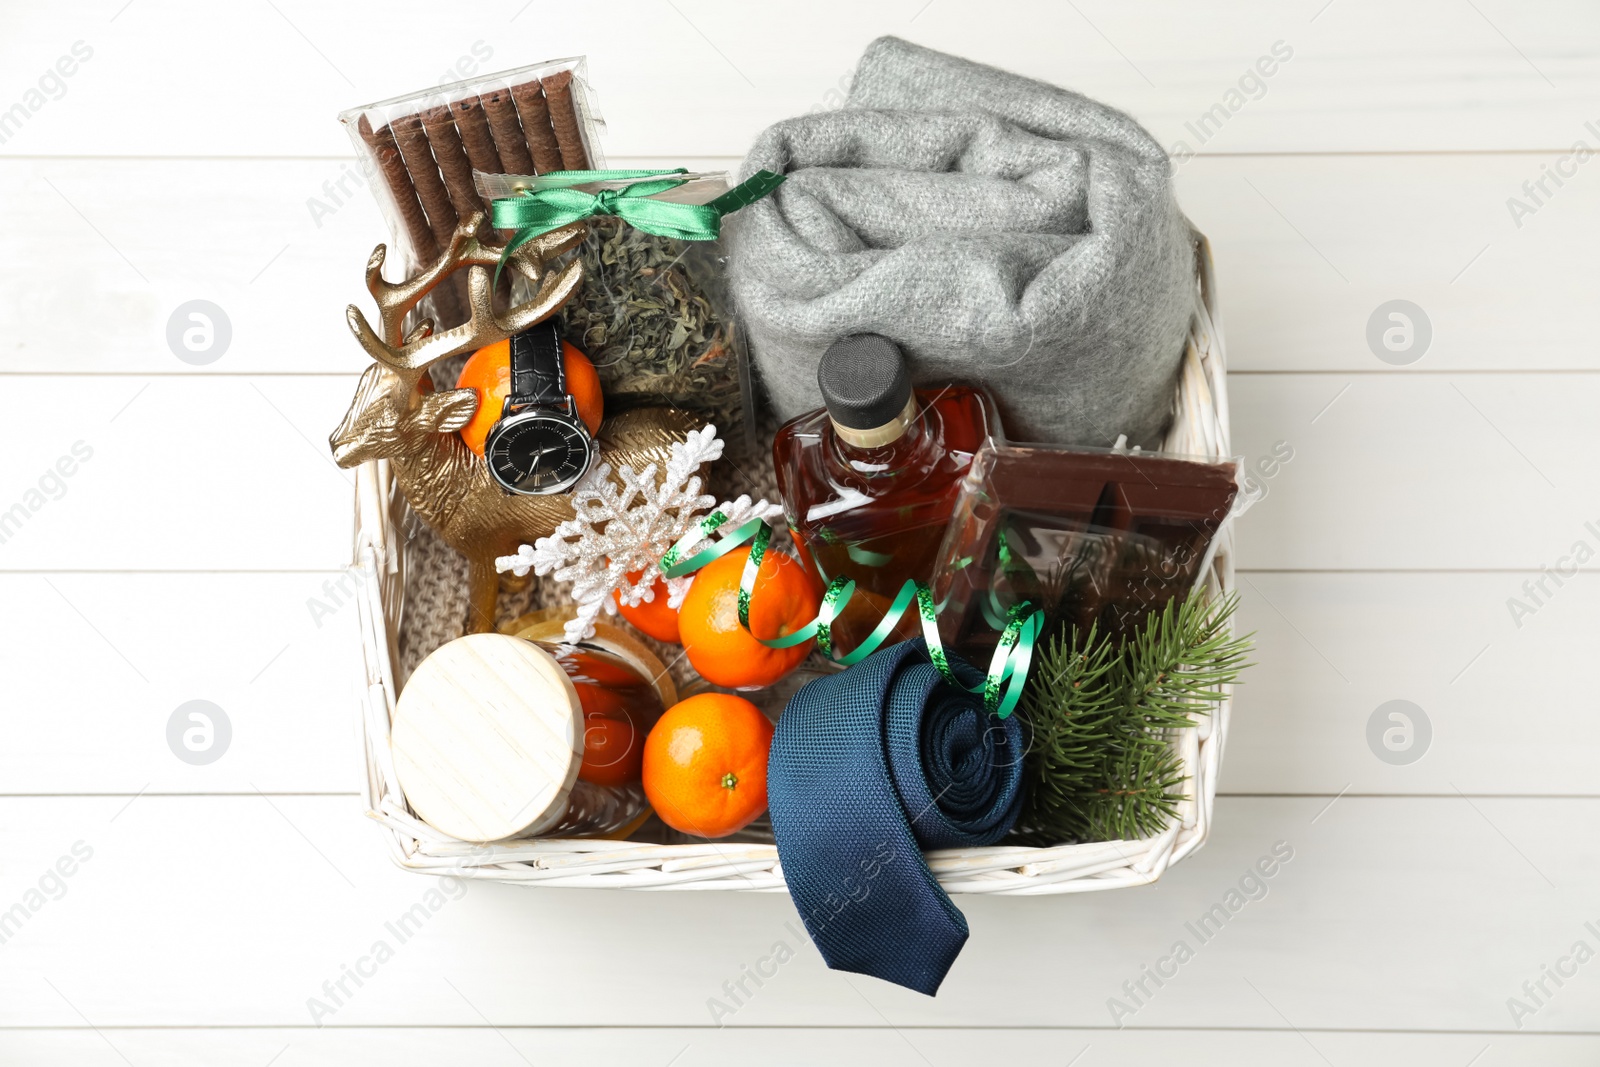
[(619, 529)]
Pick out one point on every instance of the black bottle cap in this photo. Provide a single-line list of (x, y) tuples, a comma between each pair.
[(864, 381)]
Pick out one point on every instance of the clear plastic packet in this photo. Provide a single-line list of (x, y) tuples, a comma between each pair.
[(653, 313), (1094, 537), (419, 152)]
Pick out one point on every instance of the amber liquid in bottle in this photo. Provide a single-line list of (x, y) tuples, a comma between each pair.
[(878, 513)]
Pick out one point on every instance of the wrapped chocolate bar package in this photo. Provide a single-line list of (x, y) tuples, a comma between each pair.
[(420, 151), (1092, 536)]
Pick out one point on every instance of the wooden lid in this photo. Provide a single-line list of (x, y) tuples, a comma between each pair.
[(486, 740)]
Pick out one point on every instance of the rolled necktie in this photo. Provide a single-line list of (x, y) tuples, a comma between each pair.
[(868, 767)]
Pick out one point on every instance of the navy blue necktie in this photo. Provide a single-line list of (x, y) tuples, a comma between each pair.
[(869, 767)]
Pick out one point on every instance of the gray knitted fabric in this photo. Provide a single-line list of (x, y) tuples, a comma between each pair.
[(999, 229)]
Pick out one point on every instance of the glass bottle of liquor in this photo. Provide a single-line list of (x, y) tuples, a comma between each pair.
[(870, 481)]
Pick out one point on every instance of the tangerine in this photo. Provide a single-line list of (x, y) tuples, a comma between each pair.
[(488, 371), (653, 616), (784, 599), (705, 764)]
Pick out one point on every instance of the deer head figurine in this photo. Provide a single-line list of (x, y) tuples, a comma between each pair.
[(394, 417)]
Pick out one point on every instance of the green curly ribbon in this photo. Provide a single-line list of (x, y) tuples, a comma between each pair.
[(669, 562), (551, 202), (1012, 655), (752, 568), (1008, 669)]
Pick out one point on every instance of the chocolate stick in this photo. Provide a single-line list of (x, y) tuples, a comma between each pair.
[(476, 138), (535, 115), (508, 138), (393, 168), (564, 120), (452, 160), (445, 144), (473, 149), (450, 296), (413, 141)]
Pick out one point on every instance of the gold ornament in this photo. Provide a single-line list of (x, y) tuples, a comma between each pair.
[(446, 483)]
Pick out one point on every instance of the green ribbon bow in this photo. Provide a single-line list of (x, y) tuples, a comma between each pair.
[(551, 203)]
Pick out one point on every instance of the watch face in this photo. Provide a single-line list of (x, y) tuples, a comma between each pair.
[(538, 453)]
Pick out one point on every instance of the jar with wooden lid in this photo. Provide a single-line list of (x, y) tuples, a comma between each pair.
[(517, 735), (623, 688)]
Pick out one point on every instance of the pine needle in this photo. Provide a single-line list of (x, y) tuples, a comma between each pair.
[(1102, 763)]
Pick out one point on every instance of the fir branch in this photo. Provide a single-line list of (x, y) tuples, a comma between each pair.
[(1139, 796), (1178, 663), (1070, 707), (1101, 762)]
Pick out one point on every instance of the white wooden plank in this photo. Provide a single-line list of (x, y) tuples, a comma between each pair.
[(1391, 471), (703, 76), (276, 653), (100, 255), (1502, 705), (335, 1046), (188, 473), (1415, 471), (1307, 248), (238, 909)]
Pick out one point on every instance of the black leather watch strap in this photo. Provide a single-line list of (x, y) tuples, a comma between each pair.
[(537, 378)]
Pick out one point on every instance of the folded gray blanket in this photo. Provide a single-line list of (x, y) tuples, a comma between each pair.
[(999, 229)]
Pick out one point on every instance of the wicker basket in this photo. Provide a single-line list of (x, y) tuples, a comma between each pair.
[(1199, 427)]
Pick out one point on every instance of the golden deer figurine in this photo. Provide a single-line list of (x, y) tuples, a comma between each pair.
[(446, 483)]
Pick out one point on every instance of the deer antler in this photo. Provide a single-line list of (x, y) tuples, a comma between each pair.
[(410, 356)]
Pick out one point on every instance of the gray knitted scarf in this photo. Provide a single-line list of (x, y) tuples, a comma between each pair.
[(999, 229)]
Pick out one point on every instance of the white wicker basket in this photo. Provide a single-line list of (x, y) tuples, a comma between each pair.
[(1199, 427)]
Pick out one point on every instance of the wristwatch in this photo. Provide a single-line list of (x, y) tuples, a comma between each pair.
[(539, 446)]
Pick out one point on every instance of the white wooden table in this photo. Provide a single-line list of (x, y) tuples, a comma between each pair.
[(194, 553)]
